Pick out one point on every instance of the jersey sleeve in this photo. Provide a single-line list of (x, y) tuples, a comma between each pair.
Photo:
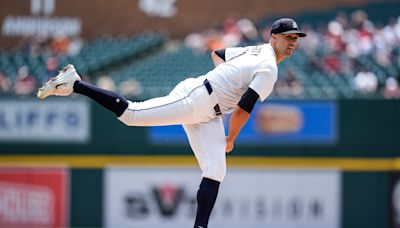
[(264, 78), (233, 52)]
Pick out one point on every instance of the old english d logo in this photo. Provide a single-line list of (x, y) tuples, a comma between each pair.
[(168, 198)]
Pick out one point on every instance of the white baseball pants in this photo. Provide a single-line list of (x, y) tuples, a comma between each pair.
[(191, 105)]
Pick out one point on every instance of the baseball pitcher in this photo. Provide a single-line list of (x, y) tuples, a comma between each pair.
[(241, 76)]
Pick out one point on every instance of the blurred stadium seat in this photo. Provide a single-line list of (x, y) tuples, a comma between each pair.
[(158, 73)]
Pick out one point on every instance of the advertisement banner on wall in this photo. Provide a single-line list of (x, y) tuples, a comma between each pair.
[(34, 197), (50, 121), (273, 123), (145, 197)]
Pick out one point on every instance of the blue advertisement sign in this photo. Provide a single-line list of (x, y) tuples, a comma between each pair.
[(50, 121), (274, 122), (299, 122)]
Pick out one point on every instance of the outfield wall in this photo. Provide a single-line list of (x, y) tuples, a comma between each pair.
[(356, 128), (88, 146), (144, 192)]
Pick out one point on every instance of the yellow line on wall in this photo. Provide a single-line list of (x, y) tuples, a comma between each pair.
[(95, 161)]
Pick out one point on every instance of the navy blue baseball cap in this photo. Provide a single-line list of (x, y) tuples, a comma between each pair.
[(286, 26)]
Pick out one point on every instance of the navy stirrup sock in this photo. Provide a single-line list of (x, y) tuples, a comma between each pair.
[(108, 99), (206, 197)]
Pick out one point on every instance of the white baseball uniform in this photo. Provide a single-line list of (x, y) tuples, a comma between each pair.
[(193, 104)]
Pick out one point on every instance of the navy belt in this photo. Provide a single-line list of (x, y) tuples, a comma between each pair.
[(210, 90)]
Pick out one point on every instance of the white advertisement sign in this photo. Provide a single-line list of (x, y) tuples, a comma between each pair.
[(158, 8), (145, 197), (26, 26), (47, 121)]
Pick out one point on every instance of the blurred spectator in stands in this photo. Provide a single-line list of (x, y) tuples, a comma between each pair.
[(365, 30), (314, 64), (333, 37), (365, 44), (391, 89), (395, 57), (130, 88), (86, 78), (60, 45), (332, 64), (360, 21), (281, 88), (52, 68), (343, 19), (295, 87), (196, 41), (381, 47), (36, 45), (311, 44), (30, 45), (25, 84), (265, 33), (385, 41), (231, 34), (106, 82), (357, 34), (75, 46), (391, 37), (365, 82), (213, 41), (289, 85), (5, 84), (248, 31)]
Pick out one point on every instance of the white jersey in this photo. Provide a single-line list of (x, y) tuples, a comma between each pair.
[(252, 66)]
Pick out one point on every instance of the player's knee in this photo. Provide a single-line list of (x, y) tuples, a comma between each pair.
[(218, 172), (222, 174)]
